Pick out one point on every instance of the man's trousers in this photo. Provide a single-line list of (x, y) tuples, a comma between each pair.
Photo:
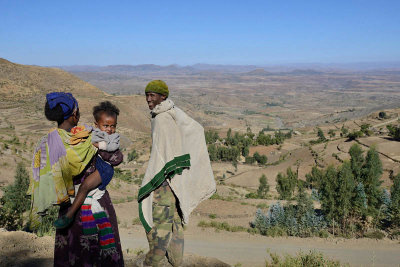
[(166, 236)]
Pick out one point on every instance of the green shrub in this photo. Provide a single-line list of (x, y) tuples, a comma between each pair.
[(15, 201), (394, 206), (394, 131), (132, 155), (312, 258), (286, 184), (249, 160), (382, 115), (262, 205), (46, 226), (124, 175), (374, 235), (354, 135), (222, 226), (261, 159), (251, 195), (331, 133), (263, 188)]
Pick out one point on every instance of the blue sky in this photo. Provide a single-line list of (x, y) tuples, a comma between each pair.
[(187, 32)]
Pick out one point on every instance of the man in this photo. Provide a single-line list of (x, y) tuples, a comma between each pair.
[(177, 179)]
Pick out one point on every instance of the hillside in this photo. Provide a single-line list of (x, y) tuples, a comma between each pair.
[(219, 105), (19, 82), (22, 121)]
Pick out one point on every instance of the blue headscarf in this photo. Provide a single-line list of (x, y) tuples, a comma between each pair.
[(67, 102)]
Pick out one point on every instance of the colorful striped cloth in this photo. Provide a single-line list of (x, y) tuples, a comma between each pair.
[(95, 222)]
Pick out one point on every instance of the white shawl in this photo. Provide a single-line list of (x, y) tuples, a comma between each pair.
[(179, 154)]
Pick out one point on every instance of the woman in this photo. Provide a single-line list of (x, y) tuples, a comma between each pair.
[(62, 160)]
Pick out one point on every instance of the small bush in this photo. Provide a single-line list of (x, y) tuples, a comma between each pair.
[(216, 196), (261, 159), (46, 227), (312, 258), (262, 206), (374, 235), (132, 155), (223, 226), (251, 195), (212, 216), (124, 175), (249, 160)]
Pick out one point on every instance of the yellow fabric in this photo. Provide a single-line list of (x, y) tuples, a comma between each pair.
[(53, 183)]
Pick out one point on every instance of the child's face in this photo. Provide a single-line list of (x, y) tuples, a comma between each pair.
[(107, 123)]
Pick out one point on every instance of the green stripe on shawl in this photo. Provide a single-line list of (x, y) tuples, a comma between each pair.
[(175, 166), (146, 226), (169, 170)]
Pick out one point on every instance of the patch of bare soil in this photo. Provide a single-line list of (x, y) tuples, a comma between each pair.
[(26, 249), (190, 260)]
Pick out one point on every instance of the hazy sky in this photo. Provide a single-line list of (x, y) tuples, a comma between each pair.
[(188, 32)]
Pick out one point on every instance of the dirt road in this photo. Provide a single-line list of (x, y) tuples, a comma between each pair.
[(251, 250)]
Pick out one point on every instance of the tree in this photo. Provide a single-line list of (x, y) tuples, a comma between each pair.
[(213, 152), (356, 161), (331, 133), (354, 135), (261, 159), (249, 160), (286, 184), (211, 136), (229, 137), (382, 115), (371, 173), (360, 202), (327, 192), (249, 133), (364, 128), (15, 201), (394, 131), (304, 202), (245, 151), (344, 131), (313, 179), (263, 188), (344, 192), (394, 207), (321, 136)]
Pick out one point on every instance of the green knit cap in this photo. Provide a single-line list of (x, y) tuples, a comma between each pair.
[(157, 86)]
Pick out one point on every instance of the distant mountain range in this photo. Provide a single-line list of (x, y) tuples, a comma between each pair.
[(301, 68)]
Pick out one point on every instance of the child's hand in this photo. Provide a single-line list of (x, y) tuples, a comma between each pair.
[(102, 145)]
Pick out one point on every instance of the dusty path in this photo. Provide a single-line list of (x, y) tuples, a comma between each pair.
[(386, 122), (251, 250)]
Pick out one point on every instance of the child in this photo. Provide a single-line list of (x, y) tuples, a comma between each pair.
[(109, 155)]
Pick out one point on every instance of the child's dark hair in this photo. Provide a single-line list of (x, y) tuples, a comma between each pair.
[(105, 107), (55, 114)]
